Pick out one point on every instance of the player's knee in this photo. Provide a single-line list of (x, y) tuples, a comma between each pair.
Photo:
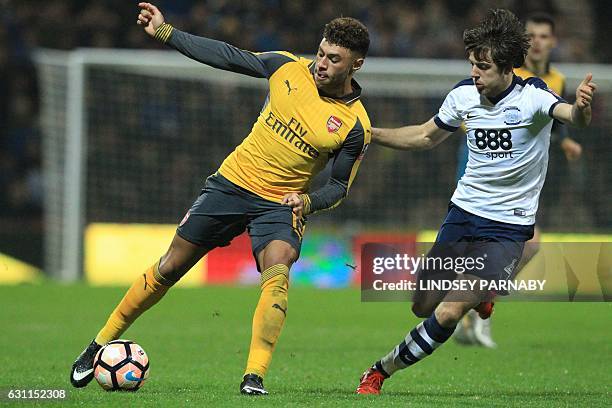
[(449, 313), (279, 260), (279, 254), (179, 258), (172, 268), (169, 269)]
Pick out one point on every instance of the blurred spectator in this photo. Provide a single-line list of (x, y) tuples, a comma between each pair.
[(20, 186), (416, 28), (409, 29)]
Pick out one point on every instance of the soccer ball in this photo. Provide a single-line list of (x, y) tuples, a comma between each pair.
[(121, 365)]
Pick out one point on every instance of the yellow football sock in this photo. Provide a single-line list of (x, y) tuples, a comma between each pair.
[(146, 291), (268, 318)]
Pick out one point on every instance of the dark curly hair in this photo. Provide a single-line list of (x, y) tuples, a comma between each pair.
[(502, 33), (349, 33)]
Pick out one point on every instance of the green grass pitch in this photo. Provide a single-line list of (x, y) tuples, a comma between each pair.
[(550, 354)]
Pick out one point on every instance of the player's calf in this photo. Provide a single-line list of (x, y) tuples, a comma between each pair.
[(145, 292), (270, 313), (448, 314), (418, 344)]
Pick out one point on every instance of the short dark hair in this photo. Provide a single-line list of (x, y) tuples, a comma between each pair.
[(349, 33), (542, 18), (503, 35)]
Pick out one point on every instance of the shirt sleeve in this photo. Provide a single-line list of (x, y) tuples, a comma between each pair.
[(559, 129), (343, 171), (448, 117), (544, 98), (221, 55)]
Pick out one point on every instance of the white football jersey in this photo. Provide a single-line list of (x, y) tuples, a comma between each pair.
[(508, 139)]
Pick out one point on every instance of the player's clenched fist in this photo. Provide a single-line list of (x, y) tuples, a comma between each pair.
[(584, 92), (150, 17)]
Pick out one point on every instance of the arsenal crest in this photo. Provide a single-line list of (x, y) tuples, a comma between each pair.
[(333, 124)]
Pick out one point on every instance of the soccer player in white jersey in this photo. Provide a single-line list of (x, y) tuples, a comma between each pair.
[(540, 27), (508, 123)]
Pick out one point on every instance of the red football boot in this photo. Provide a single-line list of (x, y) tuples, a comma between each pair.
[(371, 382)]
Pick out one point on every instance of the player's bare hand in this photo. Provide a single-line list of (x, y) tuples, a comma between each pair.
[(295, 201), (585, 91), (571, 148), (150, 17)]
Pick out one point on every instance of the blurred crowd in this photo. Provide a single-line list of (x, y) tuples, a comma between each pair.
[(413, 29)]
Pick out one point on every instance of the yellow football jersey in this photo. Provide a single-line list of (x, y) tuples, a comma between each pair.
[(296, 133), (554, 79), (298, 130)]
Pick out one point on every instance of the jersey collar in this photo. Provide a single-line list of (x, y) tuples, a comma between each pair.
[(496, 99), (348, 98), (546, 70)]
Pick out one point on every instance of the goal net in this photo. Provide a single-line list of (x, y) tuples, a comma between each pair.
[(130, 137)]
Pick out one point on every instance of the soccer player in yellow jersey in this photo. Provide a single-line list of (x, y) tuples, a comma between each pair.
[(540, 28), (312, 114)]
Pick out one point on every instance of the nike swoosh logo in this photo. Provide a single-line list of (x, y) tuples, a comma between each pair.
[(131, 377), (249, 389), (79, 376), (470, 117)]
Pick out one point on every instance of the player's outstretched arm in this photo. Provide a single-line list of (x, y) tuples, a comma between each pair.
[(578, 114), (208, 51), (419, 137)]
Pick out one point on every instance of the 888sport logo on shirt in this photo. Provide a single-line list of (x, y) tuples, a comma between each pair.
[(497, 141)]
